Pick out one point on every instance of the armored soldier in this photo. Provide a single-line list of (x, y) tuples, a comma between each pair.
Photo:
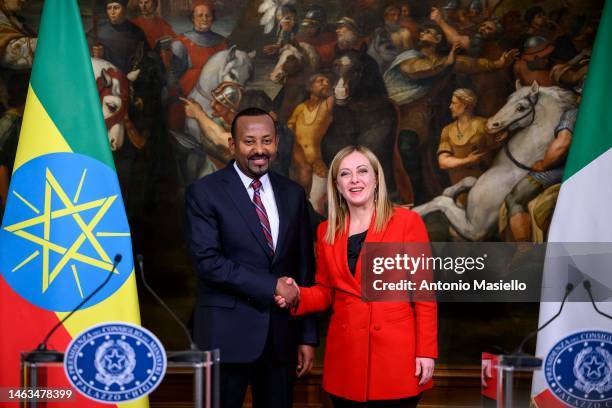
[(534, 64), (314, 31), (192, 50), (545, 173), (216, 129)]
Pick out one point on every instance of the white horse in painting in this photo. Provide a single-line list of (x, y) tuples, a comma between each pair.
[(530, 115), (231, 65)]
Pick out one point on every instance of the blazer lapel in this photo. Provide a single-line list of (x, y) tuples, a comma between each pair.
[(280, 196), (371, 236), (240, 197), (340, 255)]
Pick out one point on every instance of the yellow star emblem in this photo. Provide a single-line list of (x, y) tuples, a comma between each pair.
[(71, 208)]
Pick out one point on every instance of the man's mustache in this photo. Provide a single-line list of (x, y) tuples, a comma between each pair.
[(259, 156)]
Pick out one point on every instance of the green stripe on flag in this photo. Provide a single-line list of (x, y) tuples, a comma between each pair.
[(67, 90), (593, 133)]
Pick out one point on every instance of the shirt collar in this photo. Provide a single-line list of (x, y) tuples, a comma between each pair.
[(246, 180)]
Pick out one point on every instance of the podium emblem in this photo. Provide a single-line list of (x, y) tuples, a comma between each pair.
[(115, 362), (578, 369)]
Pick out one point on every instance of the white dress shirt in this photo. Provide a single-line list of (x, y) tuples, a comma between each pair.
[(267, 198)]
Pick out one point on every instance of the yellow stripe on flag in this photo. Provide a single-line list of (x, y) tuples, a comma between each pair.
[(120, 306), (39, 135)]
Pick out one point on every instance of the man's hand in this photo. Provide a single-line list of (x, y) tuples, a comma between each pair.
[(306, 356), (424, 369), (473, 158), (435, 15), (509, 57), (271, 49), (538, 166), (192, 108), (500, 137), (287, 292), (450, 60)]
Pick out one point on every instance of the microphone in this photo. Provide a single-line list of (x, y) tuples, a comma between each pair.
[(519, 358), (194, 354), (587, 286), (568, 289), (42, 354)]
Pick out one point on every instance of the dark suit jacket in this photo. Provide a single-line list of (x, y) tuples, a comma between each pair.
[(237, 276)]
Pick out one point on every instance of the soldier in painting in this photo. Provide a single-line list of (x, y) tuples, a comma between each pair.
[(534, 64)]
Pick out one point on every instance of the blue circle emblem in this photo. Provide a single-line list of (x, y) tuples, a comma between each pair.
[(64, 224), (578, 369), (115, 362)]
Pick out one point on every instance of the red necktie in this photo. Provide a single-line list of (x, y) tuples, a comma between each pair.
[(261, 213)]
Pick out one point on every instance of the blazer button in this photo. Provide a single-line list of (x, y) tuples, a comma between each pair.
[(377, 327)]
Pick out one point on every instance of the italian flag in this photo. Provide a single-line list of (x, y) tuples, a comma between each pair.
[(64, 221), (582, 213)]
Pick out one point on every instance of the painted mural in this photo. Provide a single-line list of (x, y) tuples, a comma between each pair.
[(469, 105)]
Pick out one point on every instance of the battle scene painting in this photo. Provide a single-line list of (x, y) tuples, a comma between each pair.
[(469, 104)]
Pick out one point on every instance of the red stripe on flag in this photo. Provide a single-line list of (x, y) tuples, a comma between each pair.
[(546, 399), (23, 326)]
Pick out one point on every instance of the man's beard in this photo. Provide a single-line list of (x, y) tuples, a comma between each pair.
[(347, 40), (425, 44), (323, 93), (538, 64), (492, 35), (392, 27)]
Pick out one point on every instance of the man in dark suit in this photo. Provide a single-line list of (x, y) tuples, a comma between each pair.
[(250, 240)]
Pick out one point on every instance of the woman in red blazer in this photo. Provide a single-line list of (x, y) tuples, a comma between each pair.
[(378, 354)]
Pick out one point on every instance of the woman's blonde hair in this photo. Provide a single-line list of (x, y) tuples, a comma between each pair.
[(337, 208)]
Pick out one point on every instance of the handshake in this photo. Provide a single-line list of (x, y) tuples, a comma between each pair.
[(287, 293)]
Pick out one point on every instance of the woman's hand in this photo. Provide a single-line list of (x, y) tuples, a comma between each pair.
[(280, 300), (424, 369)]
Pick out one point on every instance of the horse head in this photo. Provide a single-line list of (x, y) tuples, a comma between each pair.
[(348, 71), (293, 59), (114, 90), (382, 49), (519, 112), (357, 76), (237, 66)]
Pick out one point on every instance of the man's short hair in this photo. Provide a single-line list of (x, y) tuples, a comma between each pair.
[(391, 8), (251, 112), (314, 77), (121, 2), (207, 3)]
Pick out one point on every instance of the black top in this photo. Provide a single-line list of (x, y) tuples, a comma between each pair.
[(353, 248)]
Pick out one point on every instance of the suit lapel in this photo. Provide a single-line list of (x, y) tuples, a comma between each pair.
[(280, 196), (240, 197)]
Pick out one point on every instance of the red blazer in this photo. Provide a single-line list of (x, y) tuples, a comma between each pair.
[(371, 347)]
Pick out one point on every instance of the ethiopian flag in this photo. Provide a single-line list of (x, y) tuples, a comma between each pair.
[(577, 347), (64, 222)]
